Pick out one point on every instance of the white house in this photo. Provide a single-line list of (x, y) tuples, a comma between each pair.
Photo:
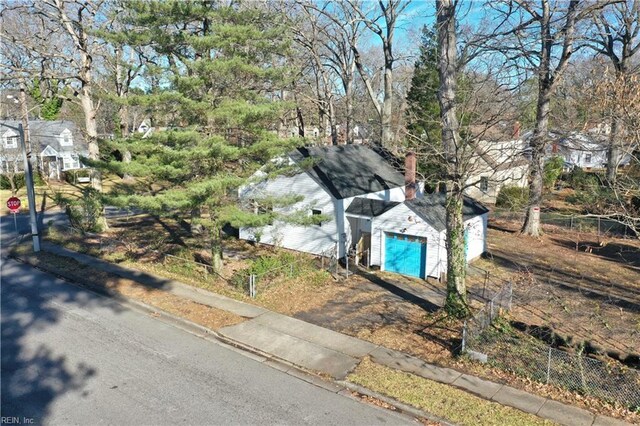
[(494, 165), (57, 145), (372, 207)]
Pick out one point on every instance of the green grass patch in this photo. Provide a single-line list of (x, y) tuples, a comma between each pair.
[(436, 398)]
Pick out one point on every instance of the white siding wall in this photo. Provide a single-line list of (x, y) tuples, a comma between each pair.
[(477, 227), (515, 176), (477, 230), (579, 158), (393, 194), (397, 219), (311, 239)]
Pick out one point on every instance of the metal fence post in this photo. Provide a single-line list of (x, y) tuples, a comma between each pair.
[(491, 310), (549, 365), (464, 337), (252, 286), (291, 271)]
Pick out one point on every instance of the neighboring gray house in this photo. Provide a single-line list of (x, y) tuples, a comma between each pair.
[(589, 151), (366, 199), (56, 145)]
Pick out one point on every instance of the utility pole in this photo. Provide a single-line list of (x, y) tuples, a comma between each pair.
[(31, 196)]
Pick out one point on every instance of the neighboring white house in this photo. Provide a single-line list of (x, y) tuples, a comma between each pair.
[(364, 197), (497, 164), (57, 145), (587, 151)]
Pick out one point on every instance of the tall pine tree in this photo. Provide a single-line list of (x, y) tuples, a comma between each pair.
[(423, 110), (216, 70)]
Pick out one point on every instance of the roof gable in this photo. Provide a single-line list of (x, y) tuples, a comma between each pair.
[(48, 133), (349, 170), (49, 152), (432, 209)]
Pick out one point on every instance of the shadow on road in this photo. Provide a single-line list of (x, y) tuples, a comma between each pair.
[(34, 375)]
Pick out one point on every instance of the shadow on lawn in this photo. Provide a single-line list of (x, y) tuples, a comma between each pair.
[(626, 254), (589, 287)]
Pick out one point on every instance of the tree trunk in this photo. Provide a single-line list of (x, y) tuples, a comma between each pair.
[(92, 135), (216, 250), (387, 105), (531, 224), (349, 117), (613, 152), (11, 177), (332, 124), (456, 303)]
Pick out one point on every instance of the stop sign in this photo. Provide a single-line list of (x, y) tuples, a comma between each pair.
[(14, 204)]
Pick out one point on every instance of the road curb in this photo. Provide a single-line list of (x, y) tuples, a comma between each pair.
[(400, 406)]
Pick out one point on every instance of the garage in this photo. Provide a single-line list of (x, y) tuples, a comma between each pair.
[(405, 254)]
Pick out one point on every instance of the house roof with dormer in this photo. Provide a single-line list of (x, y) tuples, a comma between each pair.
[(49, 134)]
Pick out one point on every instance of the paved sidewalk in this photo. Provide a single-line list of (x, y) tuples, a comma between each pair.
[(335, 354)]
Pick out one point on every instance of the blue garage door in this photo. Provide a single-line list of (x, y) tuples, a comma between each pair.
[(405, 254)]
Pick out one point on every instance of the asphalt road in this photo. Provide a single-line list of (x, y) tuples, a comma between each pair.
[(8, 231), (72, 357)]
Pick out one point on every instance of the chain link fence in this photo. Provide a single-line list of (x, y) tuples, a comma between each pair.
[(577, 223), (488, 338), (482, 320)]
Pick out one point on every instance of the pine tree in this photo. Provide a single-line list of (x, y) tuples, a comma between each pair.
[(423, 111), (422, 99), (218, 68)]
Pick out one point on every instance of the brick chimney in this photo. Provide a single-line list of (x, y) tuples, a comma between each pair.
[(516, 130), (410, 176)]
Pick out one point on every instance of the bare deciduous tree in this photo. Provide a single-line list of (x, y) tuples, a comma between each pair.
[(541, 36), (63, 48), (616, 35)]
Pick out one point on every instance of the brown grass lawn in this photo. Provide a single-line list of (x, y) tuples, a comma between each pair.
[(583, 290)]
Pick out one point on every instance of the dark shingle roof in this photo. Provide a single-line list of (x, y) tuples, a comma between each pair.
[(432, 209), (349, 170), (45, 133), (370, 208)]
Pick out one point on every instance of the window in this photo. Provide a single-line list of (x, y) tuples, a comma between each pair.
[(66, 138), (316, 212), (10, 139), (70, 163), (587, 158), (484, 184)]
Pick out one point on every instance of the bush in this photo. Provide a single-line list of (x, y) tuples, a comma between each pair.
[(513, 198), (552, 171), (18, 180), (280, 263), (581, 180), (85, 213)]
